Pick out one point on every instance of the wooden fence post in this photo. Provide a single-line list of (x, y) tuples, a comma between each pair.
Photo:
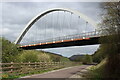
[(45, 65), (21, 66), (29, 67), (11, 67), (35, 65), (40, 67)]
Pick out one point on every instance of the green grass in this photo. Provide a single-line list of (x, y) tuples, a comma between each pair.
[(9, 76), (95, 72), (13, 76), (95, 75)]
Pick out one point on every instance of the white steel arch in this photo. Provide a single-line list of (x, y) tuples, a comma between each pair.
[(36, 18)]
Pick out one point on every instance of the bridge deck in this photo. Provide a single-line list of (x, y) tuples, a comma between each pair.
[(64, 43)]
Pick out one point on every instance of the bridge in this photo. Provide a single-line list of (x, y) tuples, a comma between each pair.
[(77, 38), (90, 38)]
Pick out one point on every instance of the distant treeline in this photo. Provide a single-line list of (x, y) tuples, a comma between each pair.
[(96, 57), (85, 59)]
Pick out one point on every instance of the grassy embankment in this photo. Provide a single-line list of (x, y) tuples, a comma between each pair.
[(11, 53)]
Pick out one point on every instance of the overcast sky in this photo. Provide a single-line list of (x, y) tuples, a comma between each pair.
[(16, 15)]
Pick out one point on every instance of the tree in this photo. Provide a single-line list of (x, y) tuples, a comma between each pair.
[(111, 42), (9, 51), (55, 58), (79, 59), (87, 59), (98, 56)]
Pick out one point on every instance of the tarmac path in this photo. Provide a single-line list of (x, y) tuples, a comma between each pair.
[(62, 73)]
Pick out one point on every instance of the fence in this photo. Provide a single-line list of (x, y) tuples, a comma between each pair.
[(15, 69)]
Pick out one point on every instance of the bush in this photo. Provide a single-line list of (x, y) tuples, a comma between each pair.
[(44, 57), (29, 56)]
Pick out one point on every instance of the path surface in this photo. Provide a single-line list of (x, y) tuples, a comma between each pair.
[(63, 73)]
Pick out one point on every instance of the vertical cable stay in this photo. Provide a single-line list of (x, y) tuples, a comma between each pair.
[(45, 21), (67, 23), (53, 26), (43, 29), (63, 23), (78, 24), (57, 22), (45, 26), (31, 36), (33, 33), (71, 20), (37, 33), (86, 26), (40, 33), (40, 36), (60, 24)]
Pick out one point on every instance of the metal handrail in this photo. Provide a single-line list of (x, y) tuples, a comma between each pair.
[(69, 37)]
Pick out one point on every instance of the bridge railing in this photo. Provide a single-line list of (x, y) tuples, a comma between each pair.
[(69, 37)]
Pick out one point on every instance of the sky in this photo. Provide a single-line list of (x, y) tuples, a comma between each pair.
[(15, 15)]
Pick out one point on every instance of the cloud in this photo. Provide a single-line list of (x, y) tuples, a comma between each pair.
[(6, 31)]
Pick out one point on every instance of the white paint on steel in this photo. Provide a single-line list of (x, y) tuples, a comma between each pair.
[(36, 18)]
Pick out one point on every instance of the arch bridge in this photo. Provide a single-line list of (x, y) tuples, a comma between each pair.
[(58, 27)]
